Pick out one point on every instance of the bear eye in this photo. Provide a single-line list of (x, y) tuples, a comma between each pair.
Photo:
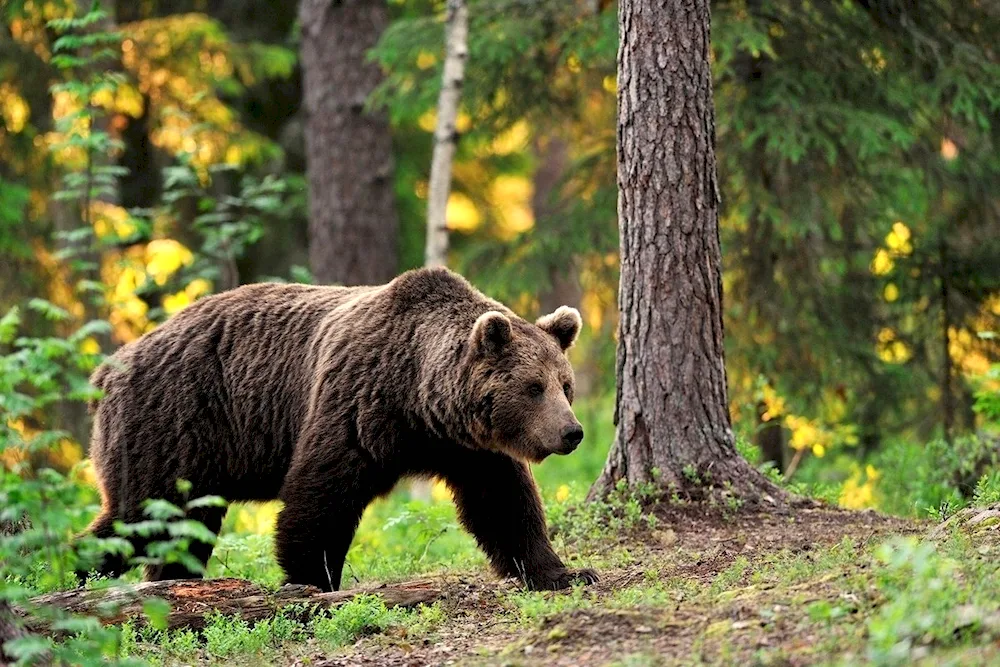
[(536, 389), (566, 389)]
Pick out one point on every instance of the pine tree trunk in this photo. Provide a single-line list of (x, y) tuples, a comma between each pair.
[(672, 406), (353, 227)]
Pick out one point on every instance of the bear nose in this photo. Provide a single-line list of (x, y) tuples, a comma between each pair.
[(571, 437)]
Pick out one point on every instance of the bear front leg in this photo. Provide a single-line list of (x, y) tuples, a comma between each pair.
[(499, 504), (323, 506)]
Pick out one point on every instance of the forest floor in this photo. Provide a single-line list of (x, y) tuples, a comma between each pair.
[(813, 586), (680, 584)]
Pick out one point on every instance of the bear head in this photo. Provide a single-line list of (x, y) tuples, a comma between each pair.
[(522, 383)]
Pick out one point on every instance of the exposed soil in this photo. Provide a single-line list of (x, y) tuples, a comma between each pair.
[(691, 545)]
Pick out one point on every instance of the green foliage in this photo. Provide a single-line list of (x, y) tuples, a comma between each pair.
[(141, 641), (39, 372), (923, 477), (229, 636), (987, 490), (365, 614), (622, 511), (400, 537), (246, 556), (227, 226), (924, 601), (987, 402), (84, 51), (173, 529), (533, 607), (44, 506), (13, 202)]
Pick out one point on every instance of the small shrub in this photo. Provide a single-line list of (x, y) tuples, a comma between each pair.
[(624, 509), (364, 615), (988, 489), (532, 607), (923, 594)]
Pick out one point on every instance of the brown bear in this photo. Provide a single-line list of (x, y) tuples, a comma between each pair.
[(324, 397)]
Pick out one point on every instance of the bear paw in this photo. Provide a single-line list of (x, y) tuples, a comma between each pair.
[(555, 580)]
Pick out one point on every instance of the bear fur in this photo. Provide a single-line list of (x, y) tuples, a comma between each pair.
[(324, 397)]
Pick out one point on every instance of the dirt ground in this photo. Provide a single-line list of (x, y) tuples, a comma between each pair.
[(751, 624)]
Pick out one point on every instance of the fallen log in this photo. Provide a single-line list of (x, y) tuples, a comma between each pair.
[(10, 629), (192, 601)]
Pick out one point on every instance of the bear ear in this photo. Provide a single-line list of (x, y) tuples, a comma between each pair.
[(564, 325), (491, 332)]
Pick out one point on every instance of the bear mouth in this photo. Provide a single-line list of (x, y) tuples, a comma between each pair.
[(537, 453)]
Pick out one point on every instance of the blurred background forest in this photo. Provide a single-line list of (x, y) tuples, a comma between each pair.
[(155, 151)]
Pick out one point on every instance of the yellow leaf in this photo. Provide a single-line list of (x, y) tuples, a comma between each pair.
[(89, 346), (426, 60), (173, 303), (164, 257), (428, 121), (462, 214), (882, 264), (562, 493)]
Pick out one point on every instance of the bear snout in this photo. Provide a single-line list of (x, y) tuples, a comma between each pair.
[(572, 436)]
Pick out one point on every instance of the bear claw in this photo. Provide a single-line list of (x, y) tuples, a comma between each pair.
[(560, 579)]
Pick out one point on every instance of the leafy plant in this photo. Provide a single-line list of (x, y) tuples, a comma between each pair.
[(173, 529), (365, 614), (923, 598)]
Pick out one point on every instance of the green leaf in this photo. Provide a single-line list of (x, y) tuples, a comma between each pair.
[(8, 326), (156, 611), (206, 501), (48, 310)]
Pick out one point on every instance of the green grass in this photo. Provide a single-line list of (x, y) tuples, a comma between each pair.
[(227, 640)]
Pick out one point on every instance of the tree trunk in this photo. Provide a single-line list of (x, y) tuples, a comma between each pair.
[(446, 135), (671, 411), (445, 141), (10, 629), (353, 228)]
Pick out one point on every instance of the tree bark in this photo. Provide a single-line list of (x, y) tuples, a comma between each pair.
[(446, 134), (353, 226), (672, 406), (10, 629), (445, 142), (191, 601)]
